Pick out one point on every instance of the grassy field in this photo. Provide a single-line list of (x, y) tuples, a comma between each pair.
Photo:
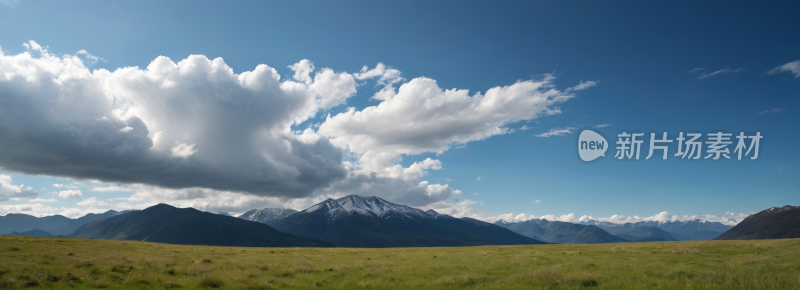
[(78, 263)]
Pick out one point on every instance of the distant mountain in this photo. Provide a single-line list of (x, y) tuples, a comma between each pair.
[(772, 223), (649, 234), (267, 215), (32, 233), (224, 213), (678, 230), (371, 222), (55, 225), (561, 232), (187, 226)]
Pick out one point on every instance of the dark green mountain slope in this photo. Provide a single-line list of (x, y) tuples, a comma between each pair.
[(371, 222), (187, 226), (773, 223)]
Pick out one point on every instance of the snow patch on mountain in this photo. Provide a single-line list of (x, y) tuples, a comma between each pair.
[(267, 215), (368, 206)]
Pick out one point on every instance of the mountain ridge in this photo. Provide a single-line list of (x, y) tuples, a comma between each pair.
[(167, 224), (355, 221), (772, 223)]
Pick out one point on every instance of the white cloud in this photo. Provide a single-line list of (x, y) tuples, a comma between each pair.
[(211, 200), (93, 58), (195, 133), (39, 210), (772, 111), (110, 189), (43, 200), (582, 86), (478, 178), (727, 218), (536, 201), (70, 194), (422, 117), (388, 77), (70, 186), (32, 45), (792, 68), (302, 71), (182, 150), (457, 209), (566, 130), (92, 202), (9, 191), (724, 70), (193, 123), (556, 132)]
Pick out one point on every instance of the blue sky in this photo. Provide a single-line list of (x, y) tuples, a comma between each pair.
[(658, 67)]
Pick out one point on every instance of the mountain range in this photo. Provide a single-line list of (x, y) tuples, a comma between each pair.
[(356, 221), (52, 225), (371, 222), (593, 231), (679, 230), (557, 232), (773, 223), (187, 226)]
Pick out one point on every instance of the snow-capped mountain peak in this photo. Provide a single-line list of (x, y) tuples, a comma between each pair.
[(267, 215), (371, 206), (780, 209)]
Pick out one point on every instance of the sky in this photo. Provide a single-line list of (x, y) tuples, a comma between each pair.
[(472, 109)]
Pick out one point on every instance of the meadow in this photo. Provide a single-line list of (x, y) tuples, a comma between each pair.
[(79, 263)]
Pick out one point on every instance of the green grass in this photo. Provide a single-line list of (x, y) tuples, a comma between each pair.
[(79, 263)]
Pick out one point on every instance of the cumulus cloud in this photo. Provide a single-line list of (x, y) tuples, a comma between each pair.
[(727, 218), (193, 123), (211, 200), (70, 194), (39, 210), (110, 189), (70, 186), (510, 217), (459, 209), (93, 202), (792, 68), (421, 117), (43, 200), (9, 191), (387, 77), (195, 133)]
